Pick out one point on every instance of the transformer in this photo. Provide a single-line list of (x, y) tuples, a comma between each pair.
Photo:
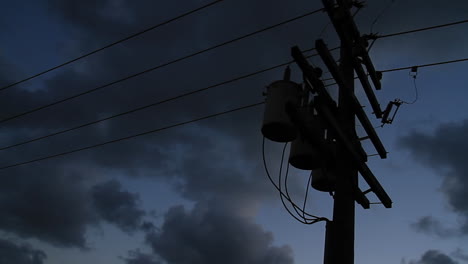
[(277, 126)]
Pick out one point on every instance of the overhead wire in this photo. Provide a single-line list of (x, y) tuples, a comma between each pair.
[(425, 65), (381, 13), (209, 87), (201, 90), (406, 68), (159, 66), (110, 45), (422, 29), (194, 54), (152, 131), (153, 104)]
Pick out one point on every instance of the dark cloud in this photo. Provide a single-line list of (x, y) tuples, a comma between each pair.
[(444, 151), (117, 206), (19, 254), (57, 206), (211, 235), (460, 254), (46, 205), (431, 225), (434, 257), (215, 163)]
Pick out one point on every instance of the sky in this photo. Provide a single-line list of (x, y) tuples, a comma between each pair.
[(198, 193)]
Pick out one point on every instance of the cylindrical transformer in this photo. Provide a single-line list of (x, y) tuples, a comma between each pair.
[(324, 179), (277, 125), (306, 154)]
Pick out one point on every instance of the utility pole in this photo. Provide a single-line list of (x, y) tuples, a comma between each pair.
[(338, 151), (339, 241), (342, 226)]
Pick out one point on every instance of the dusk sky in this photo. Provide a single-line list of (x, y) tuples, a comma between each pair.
[(198, 193)]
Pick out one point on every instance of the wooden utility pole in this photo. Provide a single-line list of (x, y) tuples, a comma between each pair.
[(340, 120), (342, 236)]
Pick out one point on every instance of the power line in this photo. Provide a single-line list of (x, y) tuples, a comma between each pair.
[(421, 29), (129, 137), (407, 68), (201, 90), (382, 12), (149, 105), (425, 65), (110, 45), (158, 67)]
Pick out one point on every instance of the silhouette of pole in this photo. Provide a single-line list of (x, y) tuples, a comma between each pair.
[(341, 229)]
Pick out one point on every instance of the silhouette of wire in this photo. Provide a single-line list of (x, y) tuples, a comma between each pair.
[(298, 212), (158, 67), (421, 29), (305, 220), (382, 12), (148, 105), (110, 45), (307, 192), (416, 94), (375, 37), (425, 65), (316, 218), (406, 68), (129, 137), (206, 88)]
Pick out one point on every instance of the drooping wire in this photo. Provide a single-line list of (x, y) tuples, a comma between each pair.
[(298, 212), (281, 191), (316, 218), (309, 182), (304, 219), (276, 186), (413, 74), (158, 66), (110, 45), (130, 136)]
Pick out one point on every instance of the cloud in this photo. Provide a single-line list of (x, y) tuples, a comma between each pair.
[(431, 225), (434, 257), (213, 235), (137, 257), (460, 254), (46, 205), (57, 206), (214, 163), (117, 206), (19, 254), (445, 151)]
